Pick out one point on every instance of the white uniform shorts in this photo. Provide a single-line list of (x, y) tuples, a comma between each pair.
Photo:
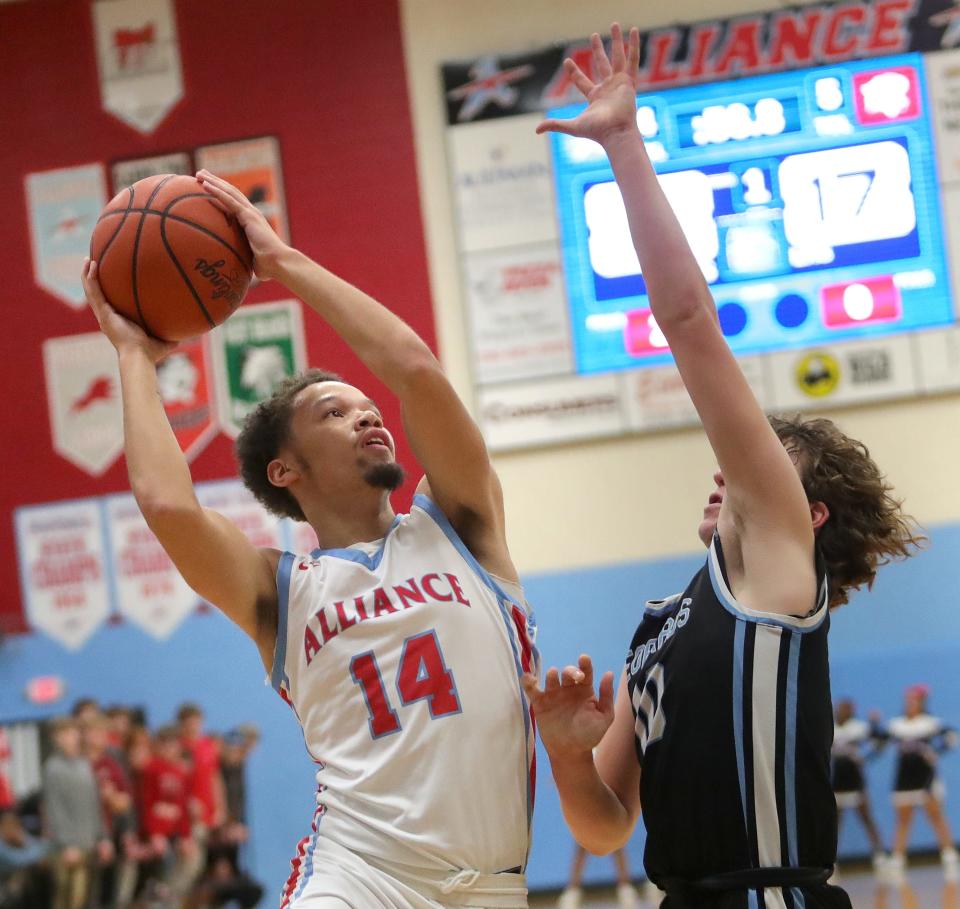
[(328, 876)]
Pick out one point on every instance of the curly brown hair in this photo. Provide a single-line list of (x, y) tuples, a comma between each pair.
[(867, 527), (264, 433)]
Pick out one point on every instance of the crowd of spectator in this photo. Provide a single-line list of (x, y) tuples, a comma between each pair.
[(131, 818)]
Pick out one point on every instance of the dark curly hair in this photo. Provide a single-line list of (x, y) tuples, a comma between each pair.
[(867, 527), (264, 432)]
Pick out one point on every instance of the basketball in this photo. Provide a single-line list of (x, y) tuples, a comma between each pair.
[(169, 258)]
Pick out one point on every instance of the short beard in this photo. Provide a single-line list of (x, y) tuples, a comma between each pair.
[(385, 476)]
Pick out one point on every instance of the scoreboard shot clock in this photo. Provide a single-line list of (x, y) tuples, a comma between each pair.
[(809, 198)]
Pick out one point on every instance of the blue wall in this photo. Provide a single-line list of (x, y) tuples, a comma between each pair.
[(906, 630)]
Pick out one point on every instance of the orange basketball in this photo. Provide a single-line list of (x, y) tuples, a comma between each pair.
[(169, 258)]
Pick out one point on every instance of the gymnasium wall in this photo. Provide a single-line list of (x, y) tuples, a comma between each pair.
[(326, 79)]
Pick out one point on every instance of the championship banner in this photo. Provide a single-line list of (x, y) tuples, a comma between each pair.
[(253, 166), (185, 379), (235, 502), (772, 41), (150, 592), (138, 59), (126, 173), (63, 207), (63, 569), (83, 400), (258, 347)]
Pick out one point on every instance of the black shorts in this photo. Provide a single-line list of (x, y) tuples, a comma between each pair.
[(822, 896)]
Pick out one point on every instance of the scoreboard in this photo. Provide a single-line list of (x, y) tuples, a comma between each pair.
[(820, 195), (809, 198)]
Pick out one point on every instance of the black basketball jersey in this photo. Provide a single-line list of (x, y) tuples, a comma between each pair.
[(734, 724)]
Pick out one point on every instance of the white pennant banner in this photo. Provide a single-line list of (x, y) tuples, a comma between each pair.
[(63, 569), (138, 58), (150, 591)]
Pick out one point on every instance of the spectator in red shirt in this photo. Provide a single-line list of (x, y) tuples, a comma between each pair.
[(206, 786), (166, 812), (6, 792)]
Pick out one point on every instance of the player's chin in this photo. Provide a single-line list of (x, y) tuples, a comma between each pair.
[(706, 529)]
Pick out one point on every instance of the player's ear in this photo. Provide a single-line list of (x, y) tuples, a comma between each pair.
[(819, 514), (280, 473)]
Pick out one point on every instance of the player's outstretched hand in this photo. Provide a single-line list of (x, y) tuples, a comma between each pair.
[(266, 245), (121, 331), (613, 100), (570, 717)]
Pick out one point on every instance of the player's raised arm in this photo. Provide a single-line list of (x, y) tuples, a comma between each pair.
[(767, 519), (443, 435), (213, 556)]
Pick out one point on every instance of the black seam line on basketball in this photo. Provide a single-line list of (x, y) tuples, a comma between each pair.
[(183, 274), (212, 201), (136, 250), (180, 220), (113, 236)]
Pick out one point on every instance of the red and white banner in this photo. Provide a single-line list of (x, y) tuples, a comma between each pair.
[(83, 400), (236, 503), (138, 58), (150, 591), (185, 379), (63, 569)]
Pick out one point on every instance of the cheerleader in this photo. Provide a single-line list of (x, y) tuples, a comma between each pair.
[(854, 741), (920, 738)]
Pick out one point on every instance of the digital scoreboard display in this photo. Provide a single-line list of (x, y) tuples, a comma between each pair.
[(809, 199)]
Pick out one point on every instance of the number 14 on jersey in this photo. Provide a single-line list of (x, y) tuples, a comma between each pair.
[(422, 675)]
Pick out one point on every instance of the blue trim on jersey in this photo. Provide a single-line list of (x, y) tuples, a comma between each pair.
[(790, 749), (798, 900), (371, 562), (441, 520), (284, 569), (726, 598), (752, 899), (738, 642), (308, 858)]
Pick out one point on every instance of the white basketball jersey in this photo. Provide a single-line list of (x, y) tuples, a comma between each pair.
[(402, 661)]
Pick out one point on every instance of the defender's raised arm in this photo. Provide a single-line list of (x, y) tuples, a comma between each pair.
[(767, 516)]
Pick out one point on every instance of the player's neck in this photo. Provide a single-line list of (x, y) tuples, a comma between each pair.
[(362, 520)]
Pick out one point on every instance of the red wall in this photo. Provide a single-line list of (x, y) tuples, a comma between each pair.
[(326, 77)]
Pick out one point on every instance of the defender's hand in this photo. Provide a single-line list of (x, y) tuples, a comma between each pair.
[(266, 245), (612, 110), (121, 331), (570, 717)]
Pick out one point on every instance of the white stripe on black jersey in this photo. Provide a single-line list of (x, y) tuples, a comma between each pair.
[(733, 730)]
